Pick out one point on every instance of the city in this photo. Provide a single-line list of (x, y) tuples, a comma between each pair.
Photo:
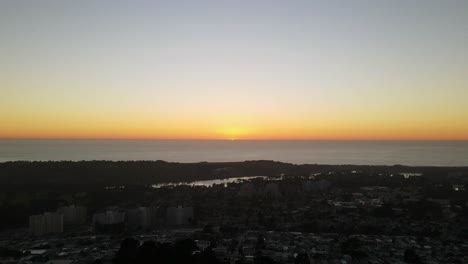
[(341, 216)]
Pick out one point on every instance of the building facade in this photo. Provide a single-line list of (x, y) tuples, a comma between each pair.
[(46, 223)]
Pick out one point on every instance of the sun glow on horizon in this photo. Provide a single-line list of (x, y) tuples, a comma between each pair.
[(234, 70), (234, 133)]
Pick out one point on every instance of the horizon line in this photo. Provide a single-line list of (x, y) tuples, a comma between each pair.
[(241, 139)]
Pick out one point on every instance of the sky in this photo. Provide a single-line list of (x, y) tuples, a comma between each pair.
[(324, 70)]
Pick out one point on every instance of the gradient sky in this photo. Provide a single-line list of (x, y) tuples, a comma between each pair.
[(234, 69)]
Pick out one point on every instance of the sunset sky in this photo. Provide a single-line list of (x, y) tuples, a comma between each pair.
[(234, 69)]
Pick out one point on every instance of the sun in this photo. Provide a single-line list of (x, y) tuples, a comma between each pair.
[(234, 133)]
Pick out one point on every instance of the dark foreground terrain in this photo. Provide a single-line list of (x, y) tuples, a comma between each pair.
[(160, 212)]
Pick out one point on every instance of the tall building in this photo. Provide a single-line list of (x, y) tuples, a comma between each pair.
[(141, 217), (73, 215), (109, 217), (46, 223), (179, 216)]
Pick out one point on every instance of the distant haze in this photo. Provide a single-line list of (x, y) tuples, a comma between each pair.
[(417, 153), (293, 69)]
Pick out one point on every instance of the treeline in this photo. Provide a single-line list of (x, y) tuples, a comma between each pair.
[(185, 251), (127, 172), (151, 172), (182, 251)]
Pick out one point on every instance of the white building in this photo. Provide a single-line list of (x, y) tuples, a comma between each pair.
[(179, 216), (73, 215), (46, 223), (109, 218), (141, 217)]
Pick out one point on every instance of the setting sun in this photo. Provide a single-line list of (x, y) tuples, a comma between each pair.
[(235, 133), (233, 71)]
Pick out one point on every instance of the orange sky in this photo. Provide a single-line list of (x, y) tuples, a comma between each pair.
[(42, 127), (234, 70)]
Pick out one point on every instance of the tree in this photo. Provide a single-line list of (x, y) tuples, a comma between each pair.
[(127, 251), (302, 258), (412, 257)]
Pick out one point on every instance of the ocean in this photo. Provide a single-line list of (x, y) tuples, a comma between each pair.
[(412, 153)]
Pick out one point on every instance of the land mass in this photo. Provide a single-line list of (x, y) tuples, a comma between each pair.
[(52, 173), (113, 212)]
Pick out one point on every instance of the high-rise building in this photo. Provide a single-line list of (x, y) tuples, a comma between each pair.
[(179, 216), (73, 215), (141, 217), (46, 223), (109, 217)]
